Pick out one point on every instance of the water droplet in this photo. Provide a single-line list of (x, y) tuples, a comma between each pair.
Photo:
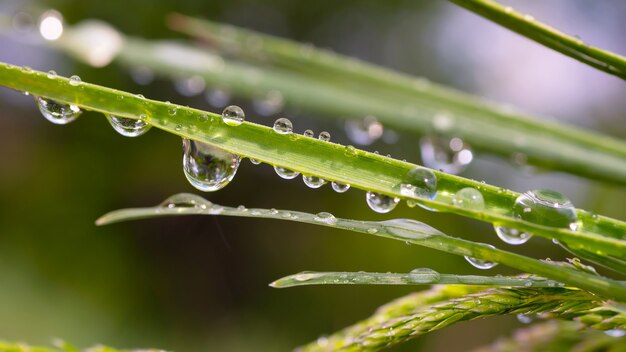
[(381, 203), (172, 110), (449, 155), (326, 218), (364, 131), (408, 229), (217, 97), (529, 18), (270, 103), (426, 275), (283, 126), (340, 187), (469, 198), (419, 182), (273, 211), (547, 208), (254, 161), (372, 230), (524, 318), (190, 86), (75, 80), (233, 115), (313, 181), (324, 136), (184, 201), (56, 112), (481, 264), (52, 74), (308, 133), (286, 173), (350, 151), (615, 332), (142, 75), (208, 168), (512, 236), (128, 127)]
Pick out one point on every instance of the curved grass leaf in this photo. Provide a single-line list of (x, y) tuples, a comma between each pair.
[(405, 230), (303, 73), (330, 161), (529, 27), (422, 277)]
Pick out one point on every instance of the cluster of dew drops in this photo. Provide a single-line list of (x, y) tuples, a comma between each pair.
[(209, 168)]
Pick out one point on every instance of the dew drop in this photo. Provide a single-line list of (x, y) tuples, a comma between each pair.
[(75, 80), (481, 264), (372, 230), (339, 187), (419, 182), (364, 131), (326, 218), (324, 136), (425, 275), (172, 111), (128, 127), (350, 151), (208, 168), (254, 161), (546, 207), (217, 97), (52, 74), (186, 200), (286, 173), (233, 115), (511, 235), (408, 229), (469, 198), (270, 103), (313, 181), (381, 203), (283, 126), (449, 155), (56, 112), (309, 133)]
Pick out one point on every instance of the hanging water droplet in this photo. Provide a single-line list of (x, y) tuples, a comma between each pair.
[(283, 126), (190, 86), (469, 198), (128, 127), (340, 187), (184, 201), (208, 168), (75, 80), (381, 203), (308, 133), (286, 173), (524, 318), (481, 264), (425, 275), (269, 104), (419, 182), (324, 136), (511, 235), (449, 155), (364, 131), (254, 161), (313, 181), (56, 112), (233, 115), (547, 208), (326, 218), (218, 97), (52, 74)]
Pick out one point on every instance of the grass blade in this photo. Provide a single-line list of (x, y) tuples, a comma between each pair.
[(422, 277), (529, 27), (400, 229)]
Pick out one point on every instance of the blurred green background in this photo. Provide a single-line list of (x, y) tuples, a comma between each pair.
[(200, 283)]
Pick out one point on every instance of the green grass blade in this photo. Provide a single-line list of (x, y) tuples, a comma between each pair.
[(424, 277), (330, 161), (375, 334), (407, 231), (529, 27), (399, 100)]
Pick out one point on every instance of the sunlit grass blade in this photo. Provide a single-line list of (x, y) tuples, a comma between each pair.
[(375, 334), (330, 161), (405, 230), (531, 28), (418, 277), (411, 104)]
